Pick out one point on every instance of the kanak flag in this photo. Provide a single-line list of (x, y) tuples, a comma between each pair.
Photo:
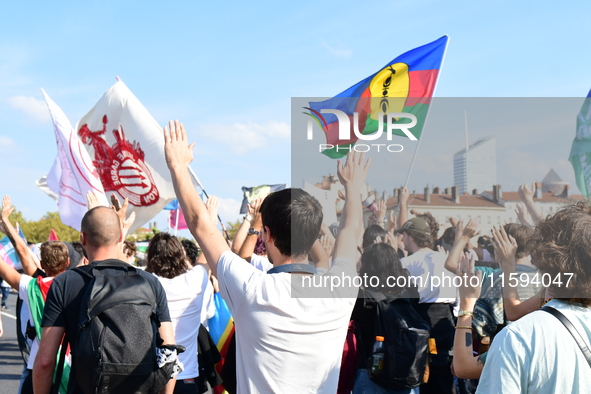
[(126, 146), (73, 173)]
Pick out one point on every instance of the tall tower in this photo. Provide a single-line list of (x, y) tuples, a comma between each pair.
[(476, 167)]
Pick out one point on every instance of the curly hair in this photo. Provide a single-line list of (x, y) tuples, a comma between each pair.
[(422, 240), (561, 244), (166, 256), (431, 221), (191, 250), (381, 260)]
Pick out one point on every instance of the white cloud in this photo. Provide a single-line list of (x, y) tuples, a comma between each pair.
[(6, 142), (229, 209), (339, 50), (244, 137), (34, 108)]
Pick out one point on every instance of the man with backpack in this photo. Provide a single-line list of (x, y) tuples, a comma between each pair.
[(111, 315)]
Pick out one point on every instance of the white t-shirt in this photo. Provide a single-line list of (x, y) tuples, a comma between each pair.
[(184, 294), (536, 354), (260, 262), (23, 293), (284, 344), (208, 308), (435, 283)]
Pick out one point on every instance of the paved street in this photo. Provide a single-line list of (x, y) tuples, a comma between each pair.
[(11, 362)]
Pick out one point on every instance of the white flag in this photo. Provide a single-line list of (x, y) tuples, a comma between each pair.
[(73, 173), (126, 145)]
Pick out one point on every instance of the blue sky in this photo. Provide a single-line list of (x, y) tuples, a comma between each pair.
[(228, 70)]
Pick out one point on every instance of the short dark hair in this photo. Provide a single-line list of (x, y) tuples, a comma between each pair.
[(522, 235), (562, 244), (294, 218), (54, 256), (191, 250), (381, 260), (371, 233), (166, 256)]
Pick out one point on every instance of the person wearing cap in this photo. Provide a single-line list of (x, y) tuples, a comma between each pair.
[(436, 299)]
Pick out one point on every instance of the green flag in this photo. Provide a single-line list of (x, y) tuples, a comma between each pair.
[(580, 152)]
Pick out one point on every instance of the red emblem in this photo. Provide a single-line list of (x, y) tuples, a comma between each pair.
[(121, 167)]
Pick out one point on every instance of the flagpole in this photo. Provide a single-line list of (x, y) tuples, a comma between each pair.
[(427, 117), (176, 224), (207, 196)]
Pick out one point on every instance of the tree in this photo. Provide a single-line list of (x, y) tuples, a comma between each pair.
[(232, 228), (38, 231)]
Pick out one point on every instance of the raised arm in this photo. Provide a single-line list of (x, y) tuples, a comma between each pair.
[(466, 366), (247, 248), (352, 175), (10, 275), (403, 206), (22, 250), (463, 236), (526, 195), (179, 154), (505, 250)]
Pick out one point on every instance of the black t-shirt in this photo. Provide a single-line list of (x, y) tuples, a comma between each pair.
[(62, 307)]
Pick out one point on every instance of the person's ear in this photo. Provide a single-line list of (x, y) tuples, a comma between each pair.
[(267, 236), (82, 239)]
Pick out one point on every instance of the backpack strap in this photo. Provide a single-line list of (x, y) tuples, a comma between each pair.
[(573, 331)]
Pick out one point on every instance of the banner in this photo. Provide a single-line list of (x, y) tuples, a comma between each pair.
[(580, 152), (252, 193), (73, 173), (126, 146)]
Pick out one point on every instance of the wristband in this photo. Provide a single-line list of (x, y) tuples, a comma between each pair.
[(464, 327)]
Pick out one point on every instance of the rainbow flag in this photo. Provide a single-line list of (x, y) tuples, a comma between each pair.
[(221, 329), (405, 84), (580, 152)]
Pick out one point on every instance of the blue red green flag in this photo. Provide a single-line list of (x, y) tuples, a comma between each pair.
[(404, 85)]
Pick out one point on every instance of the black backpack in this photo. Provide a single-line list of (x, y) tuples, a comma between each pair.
[(406, 342), (118, 333)]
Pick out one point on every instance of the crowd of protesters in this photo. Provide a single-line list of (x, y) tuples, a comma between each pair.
[(483, 334)]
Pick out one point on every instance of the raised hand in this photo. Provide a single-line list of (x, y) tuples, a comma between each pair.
[(254, 211), (327, 244), (505, 248), (353, 172), (121, 211), (177, 151), (380, 211), (526, 193), (392, 222), (212, 206), (404, 195), (470, 288), (522, 214), (7, 208), (91, 200)]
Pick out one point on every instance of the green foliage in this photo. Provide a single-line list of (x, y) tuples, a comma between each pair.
[(232, 228), (38, 231)]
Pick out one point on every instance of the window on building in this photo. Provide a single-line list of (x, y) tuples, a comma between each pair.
[(498, 220), (489, 220), (479, 219)]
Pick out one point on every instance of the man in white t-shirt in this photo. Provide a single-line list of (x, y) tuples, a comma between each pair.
[(436, 299), (536, 353), (284, 343)]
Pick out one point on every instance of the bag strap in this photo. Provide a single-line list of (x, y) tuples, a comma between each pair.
[(573, 331)]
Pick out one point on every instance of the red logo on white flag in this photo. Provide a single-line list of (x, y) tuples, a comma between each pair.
[(121, 167)]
